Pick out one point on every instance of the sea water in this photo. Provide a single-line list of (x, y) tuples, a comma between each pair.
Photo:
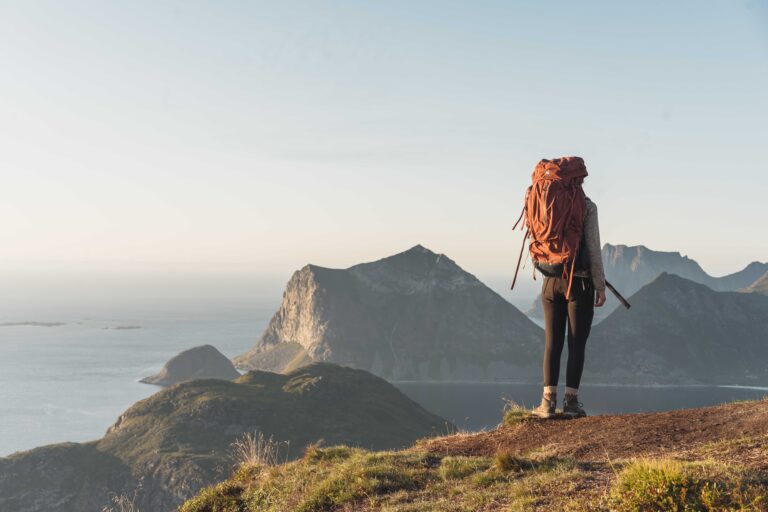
[(68, 376), (71, 379)]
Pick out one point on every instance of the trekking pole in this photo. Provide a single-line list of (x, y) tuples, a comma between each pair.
[(618, 295)]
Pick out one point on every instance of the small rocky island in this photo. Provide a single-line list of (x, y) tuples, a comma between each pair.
[(32, 324), (203, 362)]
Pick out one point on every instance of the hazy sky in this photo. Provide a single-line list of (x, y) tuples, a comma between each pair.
[(244, 136)]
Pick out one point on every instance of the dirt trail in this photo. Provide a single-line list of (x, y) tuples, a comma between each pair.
[(614, 437)]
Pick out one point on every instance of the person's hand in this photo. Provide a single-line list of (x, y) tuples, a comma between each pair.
[(599, 298)]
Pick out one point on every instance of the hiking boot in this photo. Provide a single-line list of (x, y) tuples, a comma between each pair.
[(547, 407), (572, 408)]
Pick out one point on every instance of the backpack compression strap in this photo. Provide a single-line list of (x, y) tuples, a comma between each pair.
[(519, 259), (527, 234)]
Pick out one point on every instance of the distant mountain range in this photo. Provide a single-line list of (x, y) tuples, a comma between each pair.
[(634, 267), (169, 446), (679, 331), (629, 268), (416, 315)]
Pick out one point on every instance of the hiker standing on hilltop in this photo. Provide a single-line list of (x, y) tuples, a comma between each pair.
[(565, 248)]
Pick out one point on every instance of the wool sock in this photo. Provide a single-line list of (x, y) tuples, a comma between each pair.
[(571, 391)]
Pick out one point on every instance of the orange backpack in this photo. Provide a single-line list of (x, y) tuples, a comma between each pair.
[(554, 211)]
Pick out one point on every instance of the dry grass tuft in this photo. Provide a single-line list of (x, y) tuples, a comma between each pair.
[(122, 503), (459, 467), (505, 461), (515, 413), (255, 449)]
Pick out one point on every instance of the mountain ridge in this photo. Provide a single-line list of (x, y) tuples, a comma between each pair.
[(759, 286), (679, 331), (630, 267)]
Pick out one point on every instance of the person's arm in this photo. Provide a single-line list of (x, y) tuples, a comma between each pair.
[(592, 240)]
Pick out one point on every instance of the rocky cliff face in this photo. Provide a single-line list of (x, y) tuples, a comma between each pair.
[(679, 331), (203, 362), (166, 448), (629, 268), (632, 267), (415, 315)]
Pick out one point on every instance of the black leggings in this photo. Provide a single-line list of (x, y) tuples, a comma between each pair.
[(577, 313)]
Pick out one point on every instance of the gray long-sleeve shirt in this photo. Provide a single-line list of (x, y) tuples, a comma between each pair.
[(593, 247)]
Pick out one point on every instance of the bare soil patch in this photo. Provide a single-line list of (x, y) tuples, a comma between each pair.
[(613, 437)]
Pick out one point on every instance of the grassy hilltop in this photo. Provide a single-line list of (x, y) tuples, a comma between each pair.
[(713, 458), (166, 448)]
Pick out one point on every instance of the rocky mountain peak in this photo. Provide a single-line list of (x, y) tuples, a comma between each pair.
[(669, 280), (416, 256), (418, 248), (634, 256), (682, 331), (413, 315), (748, 276), (413, 271)]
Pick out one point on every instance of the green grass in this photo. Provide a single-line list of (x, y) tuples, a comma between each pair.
[(343, 478), (359, 478), (515, 414), (670, 485), (457, 468), (340, 478), (314, 453), (505, 461), (323, 480)]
